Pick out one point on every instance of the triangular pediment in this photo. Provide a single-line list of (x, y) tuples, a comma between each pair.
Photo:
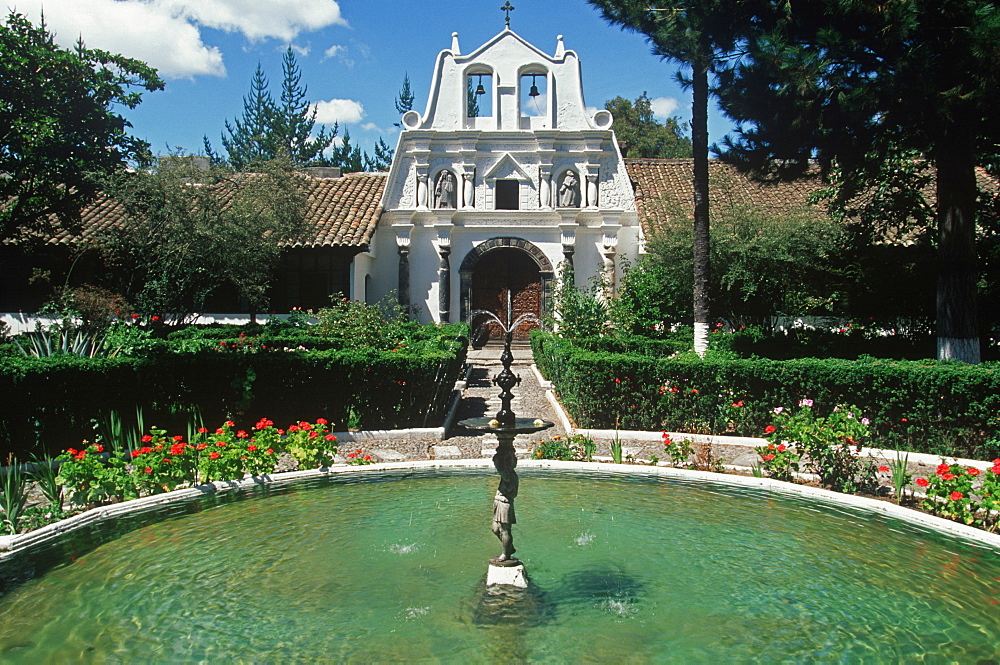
[(507, 169)]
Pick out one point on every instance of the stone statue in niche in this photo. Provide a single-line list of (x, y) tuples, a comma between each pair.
[(444, 190), (569, 191)]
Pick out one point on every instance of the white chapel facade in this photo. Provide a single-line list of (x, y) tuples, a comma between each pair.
[(503, 180)]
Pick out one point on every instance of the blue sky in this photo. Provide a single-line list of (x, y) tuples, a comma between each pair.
[(353, 55)]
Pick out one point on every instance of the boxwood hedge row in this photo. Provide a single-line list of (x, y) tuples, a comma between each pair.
[(55, 400), (924, 406)]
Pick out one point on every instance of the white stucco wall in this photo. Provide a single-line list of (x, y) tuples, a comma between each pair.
[(534, 151)]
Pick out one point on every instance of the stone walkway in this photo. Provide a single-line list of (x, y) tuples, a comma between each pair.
[(481, 398)]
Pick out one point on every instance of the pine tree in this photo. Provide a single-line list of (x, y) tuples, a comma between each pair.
[(697, 35), (404, 100), (294, 118), (856, 85), (270, 130), (250, 139)]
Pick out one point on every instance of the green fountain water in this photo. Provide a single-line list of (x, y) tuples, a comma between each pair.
[(391, 568)]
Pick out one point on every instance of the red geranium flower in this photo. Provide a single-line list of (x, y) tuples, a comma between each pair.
[(202, 430), (948, 476), (782, 447), (955, 496), (178, 438), (220, 444), (973, 471), (146, 438), (98, 448), (214, 455), (770, 429), (241, 434), (368, 458), (313, 434), (148, 470), (201, 446), (322, 421), (923, 482), (252, 448), (884, 469), (230, 423), (330, 437), (768, 457)]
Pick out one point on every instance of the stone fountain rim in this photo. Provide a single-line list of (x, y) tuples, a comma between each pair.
[(11, 545)]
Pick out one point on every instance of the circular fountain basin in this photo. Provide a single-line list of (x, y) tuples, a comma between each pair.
[(383, 565)]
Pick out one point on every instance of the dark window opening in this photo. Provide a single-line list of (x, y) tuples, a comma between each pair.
[(508, 194)]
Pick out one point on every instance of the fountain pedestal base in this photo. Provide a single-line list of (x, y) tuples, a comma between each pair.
[(507, 575)]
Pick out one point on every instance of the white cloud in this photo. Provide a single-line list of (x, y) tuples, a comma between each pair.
[(299, 50), (339, 110), (370, 127), (140, 30), (663, 107), (334, 51), (259, 19), (166, 34)]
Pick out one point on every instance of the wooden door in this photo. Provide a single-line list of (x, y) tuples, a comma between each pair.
[(505, 282)]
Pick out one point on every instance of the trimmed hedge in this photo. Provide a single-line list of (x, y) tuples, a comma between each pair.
[(923, 406), (54, 400)]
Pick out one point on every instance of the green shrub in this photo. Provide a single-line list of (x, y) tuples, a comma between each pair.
[(925, 406), (56, 399)]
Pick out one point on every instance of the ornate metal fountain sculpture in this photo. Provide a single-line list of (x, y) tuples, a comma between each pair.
[(505, 568)]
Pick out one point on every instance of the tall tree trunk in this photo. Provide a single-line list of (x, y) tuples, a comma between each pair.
[(699, 144), (957, 321)]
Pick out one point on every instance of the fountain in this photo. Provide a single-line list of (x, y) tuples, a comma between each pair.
[(505, 569), (385, 565)]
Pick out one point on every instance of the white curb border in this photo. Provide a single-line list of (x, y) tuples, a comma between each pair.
[(10, 545)]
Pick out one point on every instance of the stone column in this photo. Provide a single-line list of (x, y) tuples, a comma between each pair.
[(591, 190), (403, 247), (610, 276), (444, 281), (422, 191), (545, 189), (469, 189), (568, 249)]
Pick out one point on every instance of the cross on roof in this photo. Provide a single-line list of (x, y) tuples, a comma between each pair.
[(508, 8)]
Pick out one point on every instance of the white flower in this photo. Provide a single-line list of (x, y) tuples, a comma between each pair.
[(778, 409), (865, 421), (806, 402)]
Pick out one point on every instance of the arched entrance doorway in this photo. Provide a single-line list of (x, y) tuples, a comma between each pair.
[(507, 277)]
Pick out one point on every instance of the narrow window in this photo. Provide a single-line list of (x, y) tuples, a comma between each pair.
[(508, 195), (479, 95), (533, 95)]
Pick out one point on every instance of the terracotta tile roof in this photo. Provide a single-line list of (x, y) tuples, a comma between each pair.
[(340, 212), (664, 186)]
